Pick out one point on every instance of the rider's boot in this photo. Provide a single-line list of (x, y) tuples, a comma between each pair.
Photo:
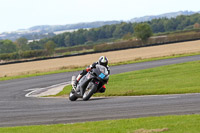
[(102, 90), (76, 82)]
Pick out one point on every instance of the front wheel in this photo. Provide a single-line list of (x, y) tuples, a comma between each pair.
[(89, 92), (72, 96)]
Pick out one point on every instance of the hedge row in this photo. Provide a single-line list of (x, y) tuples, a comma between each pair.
[(76, 48), (151, 41), (39, 53), (23, 55)]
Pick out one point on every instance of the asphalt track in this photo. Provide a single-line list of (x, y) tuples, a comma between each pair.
[(18, 110)]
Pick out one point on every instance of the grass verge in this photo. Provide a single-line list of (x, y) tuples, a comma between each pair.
[(62, 70), (171, 79), (172, 124)]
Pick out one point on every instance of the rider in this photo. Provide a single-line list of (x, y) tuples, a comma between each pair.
[(103, 60)]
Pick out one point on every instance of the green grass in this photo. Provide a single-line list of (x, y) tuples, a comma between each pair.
[(80, 68), (171, 79), (166, 124), (63, 93)]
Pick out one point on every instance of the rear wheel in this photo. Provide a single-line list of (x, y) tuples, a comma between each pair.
[(72, 96), (89, 92)]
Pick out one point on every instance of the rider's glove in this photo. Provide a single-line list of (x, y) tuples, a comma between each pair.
[(88, 69)]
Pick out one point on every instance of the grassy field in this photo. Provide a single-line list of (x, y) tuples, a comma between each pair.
[(166, 124), (114, 57), (171, 79)]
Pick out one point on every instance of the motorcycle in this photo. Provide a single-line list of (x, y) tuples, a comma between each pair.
[(90, 83)]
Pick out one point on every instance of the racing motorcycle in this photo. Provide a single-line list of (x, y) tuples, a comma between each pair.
[(89, 83)]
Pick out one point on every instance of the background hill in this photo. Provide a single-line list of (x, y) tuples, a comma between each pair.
[(166, 15), (49, 28)]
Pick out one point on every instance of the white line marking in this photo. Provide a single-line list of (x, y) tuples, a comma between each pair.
[(33, 90)]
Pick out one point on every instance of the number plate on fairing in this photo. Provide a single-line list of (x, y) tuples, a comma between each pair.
[(102, 76)]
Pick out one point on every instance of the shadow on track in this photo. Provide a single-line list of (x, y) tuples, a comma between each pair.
[(92, 99), (97, 98)]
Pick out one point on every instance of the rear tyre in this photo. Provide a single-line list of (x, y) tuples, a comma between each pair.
[(89, 92), (72, 96)]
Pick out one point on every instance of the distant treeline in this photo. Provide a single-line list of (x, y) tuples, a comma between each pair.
[(120, 30)]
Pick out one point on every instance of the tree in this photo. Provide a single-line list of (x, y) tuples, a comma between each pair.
[(92, 35), (157, 25), (35, 45), (170, 25), (22, 43), (143, 31), (68, 40), (7, 46), (49, 47), (122, 29)]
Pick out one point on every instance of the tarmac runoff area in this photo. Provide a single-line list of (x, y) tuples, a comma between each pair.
[(47, 91)]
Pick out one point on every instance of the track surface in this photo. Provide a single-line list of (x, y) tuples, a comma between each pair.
[(17, 110)]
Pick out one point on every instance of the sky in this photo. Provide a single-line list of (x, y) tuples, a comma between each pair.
[(23, 14)]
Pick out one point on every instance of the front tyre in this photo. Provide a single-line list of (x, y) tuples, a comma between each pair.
[(72, 96), (89, 92)]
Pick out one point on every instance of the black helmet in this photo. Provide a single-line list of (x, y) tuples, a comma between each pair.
[(103, 61)]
